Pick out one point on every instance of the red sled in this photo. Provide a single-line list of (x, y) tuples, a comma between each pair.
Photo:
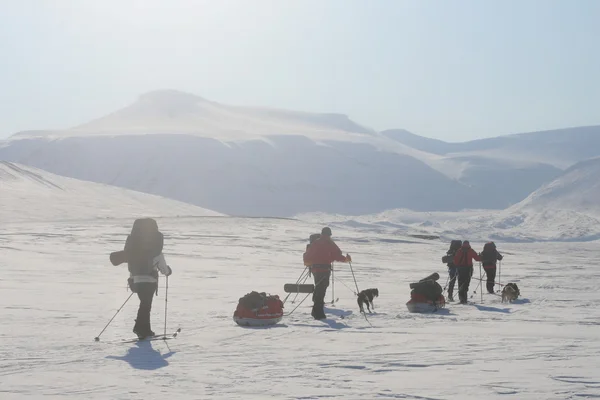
[(258, 309), (421, 304)]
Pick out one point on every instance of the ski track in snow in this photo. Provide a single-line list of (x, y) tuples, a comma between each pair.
[(59, 290)]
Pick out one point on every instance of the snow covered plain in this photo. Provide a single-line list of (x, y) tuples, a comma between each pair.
[(59, 290)]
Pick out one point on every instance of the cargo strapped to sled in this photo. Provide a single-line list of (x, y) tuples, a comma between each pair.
[(298, 288)]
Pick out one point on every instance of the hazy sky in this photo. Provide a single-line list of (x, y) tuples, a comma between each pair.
[(448, 69)]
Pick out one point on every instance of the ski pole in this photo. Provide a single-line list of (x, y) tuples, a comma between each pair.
[(499, 272), (480, 280), (354, 277), (332, 285), (166, 297), (97, 338)]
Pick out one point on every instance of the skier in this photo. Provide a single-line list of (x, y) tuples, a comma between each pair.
[(489, 256), (463, 260), (454, 246), (143, 252), (311, 239), (319, 256)]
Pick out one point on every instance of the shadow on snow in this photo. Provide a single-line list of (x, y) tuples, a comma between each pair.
[(143, 356)]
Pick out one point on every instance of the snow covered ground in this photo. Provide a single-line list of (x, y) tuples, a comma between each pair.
[(59, 290)]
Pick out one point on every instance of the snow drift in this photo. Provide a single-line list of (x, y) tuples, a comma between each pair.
[(30, 194)]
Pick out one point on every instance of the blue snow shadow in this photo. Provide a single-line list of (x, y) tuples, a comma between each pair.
[(144, 356), (521, 301), (493, 309), (337, 312), (333, 324)]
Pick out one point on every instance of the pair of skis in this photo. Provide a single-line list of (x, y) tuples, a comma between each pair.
[(151, 338)]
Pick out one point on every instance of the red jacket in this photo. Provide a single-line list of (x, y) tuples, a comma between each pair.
[(464, 257), (323, 251)]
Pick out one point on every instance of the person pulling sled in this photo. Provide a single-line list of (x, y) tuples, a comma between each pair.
[(319, 256), (143, 255)]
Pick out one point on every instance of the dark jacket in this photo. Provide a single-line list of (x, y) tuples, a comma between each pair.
[(489, 257)]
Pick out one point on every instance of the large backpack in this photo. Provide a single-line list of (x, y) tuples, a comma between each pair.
[(488, 255), (454, 246), (143, 244)]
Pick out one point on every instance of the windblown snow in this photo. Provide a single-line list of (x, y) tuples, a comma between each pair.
[(59, 290), (30, 194)]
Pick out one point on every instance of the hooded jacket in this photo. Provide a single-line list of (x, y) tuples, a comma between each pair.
[(465, 255)]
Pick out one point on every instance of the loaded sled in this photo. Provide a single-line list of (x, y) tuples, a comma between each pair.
[(258, 309), (426, 295)]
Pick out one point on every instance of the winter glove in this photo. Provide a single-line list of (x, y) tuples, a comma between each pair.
[(348, 258), (169, 271)]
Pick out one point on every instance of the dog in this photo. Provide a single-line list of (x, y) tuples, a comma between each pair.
[(366, 297), (510, 292)]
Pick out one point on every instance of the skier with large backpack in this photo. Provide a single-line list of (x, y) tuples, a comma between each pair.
[(143, 255), (463, 260), (489, 257), (448, 259)]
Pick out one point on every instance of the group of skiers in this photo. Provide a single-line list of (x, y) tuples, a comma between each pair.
[(145, 243), (459, 259)]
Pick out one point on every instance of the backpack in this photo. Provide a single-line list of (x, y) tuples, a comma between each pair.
[(488, 255), (313, 237), (143, 245), (454, 246), (489, 246)]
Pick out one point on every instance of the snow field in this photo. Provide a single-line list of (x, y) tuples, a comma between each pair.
[(59, 290)]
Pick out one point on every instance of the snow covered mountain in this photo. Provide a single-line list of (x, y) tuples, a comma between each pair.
[(242, 160), (30, 194), (566, 209), (577, 189), (268, 162)]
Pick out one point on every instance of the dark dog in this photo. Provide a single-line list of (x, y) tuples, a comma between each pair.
[(510, 292), (366, 298)]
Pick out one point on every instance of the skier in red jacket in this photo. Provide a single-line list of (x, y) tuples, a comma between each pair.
[(319, 256), (463, 260)]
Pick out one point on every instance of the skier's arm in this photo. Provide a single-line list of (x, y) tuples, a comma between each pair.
[(499, 256), (337, 253), (161, 264), (475, 256)]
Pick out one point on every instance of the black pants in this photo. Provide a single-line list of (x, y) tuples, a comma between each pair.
[(490, 272), (464, 279), (145, 292), (452, 272), (321, 285)]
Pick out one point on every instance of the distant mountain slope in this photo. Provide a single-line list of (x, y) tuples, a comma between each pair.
[(566, 209), (577, 189), (30, 194), (560, 148), (282, 177)]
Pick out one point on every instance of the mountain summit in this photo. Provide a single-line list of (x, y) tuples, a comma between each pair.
[(176, 112)]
